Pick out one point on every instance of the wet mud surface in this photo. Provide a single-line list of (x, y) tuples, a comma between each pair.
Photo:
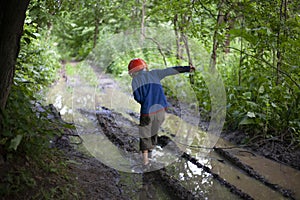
[(275, 149), (99, 181), (251, 172), (96, 180)]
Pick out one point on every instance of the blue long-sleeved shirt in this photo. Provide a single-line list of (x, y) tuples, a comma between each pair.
[(148, 91)]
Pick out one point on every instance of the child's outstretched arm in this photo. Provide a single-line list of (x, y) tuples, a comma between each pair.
[(162, 73)]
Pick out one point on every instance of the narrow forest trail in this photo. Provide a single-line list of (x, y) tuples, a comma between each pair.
[(106, 118)]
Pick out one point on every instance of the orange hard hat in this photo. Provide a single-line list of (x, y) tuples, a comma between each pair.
[(136, 65)]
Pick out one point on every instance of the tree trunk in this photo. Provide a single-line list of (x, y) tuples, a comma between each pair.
[(96, 31), (241, 54), (240, 64), (143, 29), (230, 21), (279, 56), (178, 38), (220, 20), (12, 16), (181, 24)]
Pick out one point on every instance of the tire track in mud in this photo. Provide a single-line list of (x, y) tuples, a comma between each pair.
[(234, 160), (107, 120), (228, 185), (95, 180), (122, 139)]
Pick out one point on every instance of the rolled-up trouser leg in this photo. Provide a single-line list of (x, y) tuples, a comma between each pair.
[(149, 126)]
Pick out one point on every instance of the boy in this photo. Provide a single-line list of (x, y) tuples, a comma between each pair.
[(148, 91)]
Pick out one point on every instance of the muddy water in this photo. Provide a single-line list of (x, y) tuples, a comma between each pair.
[(236, 177), (276, 173), (71, 96), (200, 182)]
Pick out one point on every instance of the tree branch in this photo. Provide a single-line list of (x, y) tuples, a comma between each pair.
[(205, 8), (158, 47)]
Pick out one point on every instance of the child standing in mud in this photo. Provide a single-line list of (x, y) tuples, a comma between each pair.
[(148, 92)]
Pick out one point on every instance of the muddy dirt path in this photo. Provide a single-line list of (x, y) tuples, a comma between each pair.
[(106, 118)]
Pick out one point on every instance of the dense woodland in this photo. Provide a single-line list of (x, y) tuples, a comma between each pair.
[(255, 46)]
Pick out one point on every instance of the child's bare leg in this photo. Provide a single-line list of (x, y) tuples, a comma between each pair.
[(145, 157)]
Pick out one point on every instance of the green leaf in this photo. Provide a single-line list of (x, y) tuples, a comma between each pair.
[(251, 114), (247, 95), (274, 105), (14, 143), (247, 121), (231, 96), (27, 40), (3, 141), (252, 104), (7, 133), (261, 89), (242, 33)]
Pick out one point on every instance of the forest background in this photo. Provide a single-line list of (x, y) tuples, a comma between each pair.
[(253, 44)]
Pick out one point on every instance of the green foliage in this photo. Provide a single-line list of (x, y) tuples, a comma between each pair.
[(38, 61), (42, 13), (261, 72), (25, 145), (86, 73), (76, 27), (74, 36), (259, 105), (24, 130), (36, 69), (16, 184), (203, 95), (262, 75)]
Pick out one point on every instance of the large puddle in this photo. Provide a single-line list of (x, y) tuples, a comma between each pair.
[(72, 95)]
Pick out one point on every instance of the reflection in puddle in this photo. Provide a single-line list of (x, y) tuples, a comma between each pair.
[(201, 183), (61, 98)]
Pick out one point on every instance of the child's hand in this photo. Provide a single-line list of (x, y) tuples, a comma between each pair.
[(192, 68)]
